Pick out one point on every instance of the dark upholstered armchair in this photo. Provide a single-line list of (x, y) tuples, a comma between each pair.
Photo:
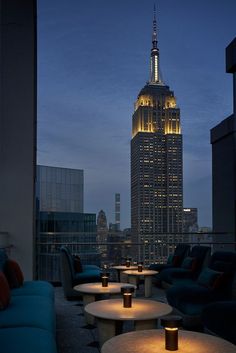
[(71, 276), (214, 283), (175, 260), (189, 269), (219, 318)]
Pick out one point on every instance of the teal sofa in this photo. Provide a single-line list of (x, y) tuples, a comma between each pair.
[(28, 323)]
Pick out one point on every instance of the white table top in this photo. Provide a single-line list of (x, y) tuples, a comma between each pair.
[(143, 273), (96, 288), (141, 309), (153, 341)]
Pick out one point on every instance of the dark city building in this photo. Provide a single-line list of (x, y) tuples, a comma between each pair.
[(60, 189), (102, 233), (117, 211), (223, 140), (190, 220), (156, 160)]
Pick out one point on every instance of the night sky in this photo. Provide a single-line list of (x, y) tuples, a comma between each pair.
[(93, 59)]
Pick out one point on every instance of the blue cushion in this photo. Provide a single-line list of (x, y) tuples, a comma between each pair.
[(208, 277), (170, 259), (31, 311), (92, 275), (41, 288), (27, 340), (188, 262), (91, 267), (3, 259)]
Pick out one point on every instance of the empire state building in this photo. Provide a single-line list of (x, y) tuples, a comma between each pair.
[(156, 164)]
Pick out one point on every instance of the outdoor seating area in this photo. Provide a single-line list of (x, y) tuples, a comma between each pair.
[(210, 280), (105, 314)]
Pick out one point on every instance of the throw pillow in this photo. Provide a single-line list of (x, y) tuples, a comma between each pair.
[(77, 264), (208, 278), (5, 293), (170, 259), (189, 263), (13, 274), (176, 261)]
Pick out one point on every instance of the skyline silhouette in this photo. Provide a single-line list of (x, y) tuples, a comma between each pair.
[(92, 60)]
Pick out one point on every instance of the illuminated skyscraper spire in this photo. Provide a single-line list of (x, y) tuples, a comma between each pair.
[(154, 72)]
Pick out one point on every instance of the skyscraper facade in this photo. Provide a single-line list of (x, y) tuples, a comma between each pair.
[(102, 233), (190, 219), (156, 162), (60, 189), (117, 211), (60, 220)]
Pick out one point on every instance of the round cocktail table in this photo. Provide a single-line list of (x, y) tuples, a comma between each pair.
[(121, 268), (133, 276), (92, 291), (110, 315), (153, 341)]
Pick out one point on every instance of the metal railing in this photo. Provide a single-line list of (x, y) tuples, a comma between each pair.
[(152, 249)]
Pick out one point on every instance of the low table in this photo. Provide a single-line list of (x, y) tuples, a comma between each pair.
[(122, 268), (91, 292), (153, 341), (110, 315), (133, 276)]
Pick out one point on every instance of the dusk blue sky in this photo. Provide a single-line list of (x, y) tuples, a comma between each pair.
[(93, 59)]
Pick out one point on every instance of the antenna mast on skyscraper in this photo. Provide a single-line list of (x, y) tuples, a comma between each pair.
[(154, 69)]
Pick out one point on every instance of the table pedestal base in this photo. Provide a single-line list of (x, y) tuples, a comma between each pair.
[(87, 299), (147, 284), (110, 328)]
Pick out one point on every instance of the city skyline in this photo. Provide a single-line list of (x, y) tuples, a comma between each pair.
[(92, 60)]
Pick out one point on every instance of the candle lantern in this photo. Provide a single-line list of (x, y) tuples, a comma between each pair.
[(140, 267), (127, 296), (105, 277), (127, 262), (171, 324)]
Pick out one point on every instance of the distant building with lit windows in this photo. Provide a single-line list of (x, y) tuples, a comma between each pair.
[(102, 233), (117, 211), (190, 220), (60, 189), (61, 220), (156, 165)]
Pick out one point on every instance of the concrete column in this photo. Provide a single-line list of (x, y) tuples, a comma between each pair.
[(18, 128)]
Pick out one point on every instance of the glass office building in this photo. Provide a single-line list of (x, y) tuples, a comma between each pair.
[(61, 221)]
